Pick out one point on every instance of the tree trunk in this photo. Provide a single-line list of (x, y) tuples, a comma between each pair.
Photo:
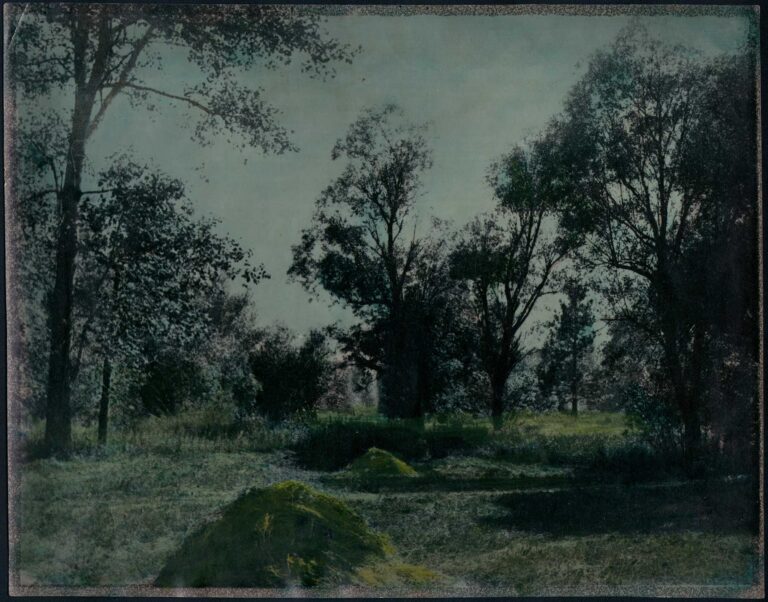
[(58, 427), (106, 378), (574, 376), (399, 393), (691, 439), (497, 401)]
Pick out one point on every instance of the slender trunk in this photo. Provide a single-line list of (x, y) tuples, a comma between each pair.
[(106, 378), (58, 428), (574, 375), (691, 438), (498, 385)]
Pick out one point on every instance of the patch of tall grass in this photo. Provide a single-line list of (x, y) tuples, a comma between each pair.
[(198, 429)]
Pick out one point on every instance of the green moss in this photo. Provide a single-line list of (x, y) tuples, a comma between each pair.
[(380, 463), (272, 537), (395, 574)]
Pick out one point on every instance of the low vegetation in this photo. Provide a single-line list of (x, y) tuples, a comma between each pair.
[(286, 534), (469, 521)]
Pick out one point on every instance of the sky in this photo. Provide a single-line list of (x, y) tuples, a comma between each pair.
[(483, 83)]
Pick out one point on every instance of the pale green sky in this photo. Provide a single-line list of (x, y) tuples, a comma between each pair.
[(484, 83)]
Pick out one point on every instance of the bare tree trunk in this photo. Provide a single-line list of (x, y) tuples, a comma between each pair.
[(58, 428), (106, 378), (498, 386), (574, 378)]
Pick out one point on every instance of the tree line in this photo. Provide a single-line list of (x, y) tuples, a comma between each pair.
[(636, 204)]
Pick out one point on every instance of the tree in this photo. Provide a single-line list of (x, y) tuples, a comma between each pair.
[(628, 165), (147, 270), (293, 377), (363, 246), (97, 52), (508, 257), (567, 352)]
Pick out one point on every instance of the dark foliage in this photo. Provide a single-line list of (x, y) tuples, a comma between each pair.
[(170, 381), (333, 444), (292, 377)]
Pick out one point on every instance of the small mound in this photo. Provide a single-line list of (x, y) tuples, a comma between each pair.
[(277, 536), (396, 575), (380, 463)]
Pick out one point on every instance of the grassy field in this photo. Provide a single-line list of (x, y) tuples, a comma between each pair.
[(490, 519)]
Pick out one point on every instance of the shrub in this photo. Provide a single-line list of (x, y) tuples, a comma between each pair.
[(168, 382), (633, 462), (293, 378), (443, 440), (333, 444), (657, 421)]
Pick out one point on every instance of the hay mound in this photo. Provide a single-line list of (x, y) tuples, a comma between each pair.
[(277, 536), (380, 463)]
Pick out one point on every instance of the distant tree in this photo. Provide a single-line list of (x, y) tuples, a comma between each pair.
[(147, 266), (566, 358), (364, 250), (631, 165), (293, 375), (508, 257), (99, 52)]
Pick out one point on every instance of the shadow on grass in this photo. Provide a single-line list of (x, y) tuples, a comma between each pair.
[(440, 483), (722, 507)]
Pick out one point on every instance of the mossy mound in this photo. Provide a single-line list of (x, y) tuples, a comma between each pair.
[(396, 575), (277, 536), (379, 463)]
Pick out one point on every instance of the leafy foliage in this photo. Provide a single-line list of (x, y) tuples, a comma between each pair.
[(625, 161), (364, 250), (292, 378), (565, 362), (507, 257)]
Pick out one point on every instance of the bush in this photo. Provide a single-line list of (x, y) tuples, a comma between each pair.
[(634, 462), (657, 421), (331, 445), (292, 378), (443, 440), (168, 382)]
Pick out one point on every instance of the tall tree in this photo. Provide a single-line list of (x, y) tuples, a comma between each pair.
[(147, 266), (629, 166), (508, 257), (363, 246), (566, 355), (98, 52)]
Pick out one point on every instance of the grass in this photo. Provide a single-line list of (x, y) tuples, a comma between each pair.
[(470, 536), (552, 424), (519, 511)]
